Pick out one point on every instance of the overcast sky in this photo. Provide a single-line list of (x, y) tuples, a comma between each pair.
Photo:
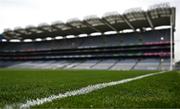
[(20, 13)]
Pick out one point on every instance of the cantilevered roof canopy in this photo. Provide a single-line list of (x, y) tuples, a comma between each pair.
[(136, 17), (160, 15), (116, 20), (157, 15)]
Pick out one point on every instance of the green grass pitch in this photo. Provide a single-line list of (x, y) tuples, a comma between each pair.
[(19, 85)]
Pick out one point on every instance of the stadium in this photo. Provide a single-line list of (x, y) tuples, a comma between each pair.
[(90, 63)]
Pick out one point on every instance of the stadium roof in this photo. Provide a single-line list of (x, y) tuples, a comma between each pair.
[(157, 15)]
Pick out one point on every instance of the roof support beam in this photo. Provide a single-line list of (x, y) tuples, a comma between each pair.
[(16, 37), (45, 30), (12, 35), (56, 28), (31, 32), (7, 37), (74, 28), (107, 23), (92, 27), (129, 24), (149, 20), (21, 33)]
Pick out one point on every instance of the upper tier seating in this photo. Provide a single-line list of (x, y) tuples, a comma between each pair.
[(86, 42)]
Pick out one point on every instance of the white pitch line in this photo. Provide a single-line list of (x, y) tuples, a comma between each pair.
[(81, 91)]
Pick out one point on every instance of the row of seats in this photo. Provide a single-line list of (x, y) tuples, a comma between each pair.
[(104, 64)]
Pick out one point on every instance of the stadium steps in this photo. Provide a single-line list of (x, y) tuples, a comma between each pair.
[(86, 64), (159, 66), (110, 68), (69, 65), (60, 65), (104, 64), (96, 63), (76, 64), (135, 65)]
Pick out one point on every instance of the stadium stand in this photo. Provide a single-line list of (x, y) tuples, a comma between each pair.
[(141, 49)]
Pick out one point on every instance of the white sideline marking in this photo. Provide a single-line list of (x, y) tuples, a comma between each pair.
[(81, 91)]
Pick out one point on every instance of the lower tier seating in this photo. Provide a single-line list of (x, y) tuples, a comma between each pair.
[(148, 64), (99, 64)]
